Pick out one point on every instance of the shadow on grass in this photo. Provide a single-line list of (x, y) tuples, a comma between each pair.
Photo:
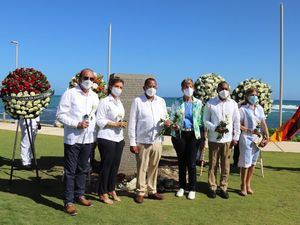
[(36, 189), (202, 187), (276, 168), (44, 163)]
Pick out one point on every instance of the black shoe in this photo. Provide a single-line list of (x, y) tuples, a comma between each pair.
[(224, 194), (27, 167), (211, 194)]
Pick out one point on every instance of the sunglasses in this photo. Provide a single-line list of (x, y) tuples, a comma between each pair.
[(88, 78)]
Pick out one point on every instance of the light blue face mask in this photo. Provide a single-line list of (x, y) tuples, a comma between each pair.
[(253, 100)]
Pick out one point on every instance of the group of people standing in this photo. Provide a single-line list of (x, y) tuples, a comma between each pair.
[(80, 111)]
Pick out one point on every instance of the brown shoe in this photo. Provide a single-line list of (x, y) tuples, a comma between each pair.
[(83, 201), (139, 199), (105, 199), (70, 209), (156, 196)]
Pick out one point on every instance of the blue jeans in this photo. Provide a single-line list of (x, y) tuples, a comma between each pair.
[(76, 167)]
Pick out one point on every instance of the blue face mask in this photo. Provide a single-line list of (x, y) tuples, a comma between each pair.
[(253, 99)]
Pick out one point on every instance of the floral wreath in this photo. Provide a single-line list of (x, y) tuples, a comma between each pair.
[(206, 86), (263, 92), (98, 85), (25, 93)]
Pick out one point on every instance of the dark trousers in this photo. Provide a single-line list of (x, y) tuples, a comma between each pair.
[(236, 155), (110, 153), (186, 148), (76, 167)]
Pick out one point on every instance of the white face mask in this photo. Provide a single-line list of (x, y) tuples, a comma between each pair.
[(224, 94), (87, 84), (150, 92), (188, 92), (116, 91)]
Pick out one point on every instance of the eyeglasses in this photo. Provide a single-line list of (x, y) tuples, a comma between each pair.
[(88, 78)]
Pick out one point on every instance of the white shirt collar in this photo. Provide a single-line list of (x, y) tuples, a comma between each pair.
[(78, 88), (144, 97)]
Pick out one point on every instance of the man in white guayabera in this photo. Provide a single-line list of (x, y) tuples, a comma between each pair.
[(145, 140), (222, 120), (76, 111)]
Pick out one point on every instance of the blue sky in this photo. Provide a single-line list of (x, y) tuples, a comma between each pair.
[(172, 39)]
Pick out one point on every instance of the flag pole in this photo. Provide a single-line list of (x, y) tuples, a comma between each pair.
[(281, 65), (109, 49)]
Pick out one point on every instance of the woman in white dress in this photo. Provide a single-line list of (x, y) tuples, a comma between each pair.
[(254, 135)]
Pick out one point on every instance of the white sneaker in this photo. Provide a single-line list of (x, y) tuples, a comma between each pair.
[(192, 195), (180, 193)]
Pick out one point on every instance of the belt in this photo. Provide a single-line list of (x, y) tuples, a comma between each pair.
[(187, 129)]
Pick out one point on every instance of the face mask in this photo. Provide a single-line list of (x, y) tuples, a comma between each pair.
[(87, 84), (253, 99), (116, 91), (188, 92), (224, 94), (150, 92)]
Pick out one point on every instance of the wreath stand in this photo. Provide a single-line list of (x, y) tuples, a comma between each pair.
[(28, 127)]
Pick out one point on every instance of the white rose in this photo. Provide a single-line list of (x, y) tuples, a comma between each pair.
[(17, 106), (95, 86)]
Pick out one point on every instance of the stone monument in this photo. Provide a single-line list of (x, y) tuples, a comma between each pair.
[(133, 87)]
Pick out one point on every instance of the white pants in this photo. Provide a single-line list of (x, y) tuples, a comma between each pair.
[(26, 154)]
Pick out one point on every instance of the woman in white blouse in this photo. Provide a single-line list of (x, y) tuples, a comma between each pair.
[(110, 115), (254, 135)]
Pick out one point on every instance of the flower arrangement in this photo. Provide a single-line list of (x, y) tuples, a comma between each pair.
[(261, 139), (98, 86), (175, 119), (222, 129), (25, 93), (165, 130), (263, 92), (206, 86)]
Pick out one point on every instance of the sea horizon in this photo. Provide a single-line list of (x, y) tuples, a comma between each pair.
[(288, 109)]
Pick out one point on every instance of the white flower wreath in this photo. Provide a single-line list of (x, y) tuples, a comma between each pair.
[(206, 86), (264, 93)]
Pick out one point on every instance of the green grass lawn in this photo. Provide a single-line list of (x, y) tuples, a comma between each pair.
[(276, 199)]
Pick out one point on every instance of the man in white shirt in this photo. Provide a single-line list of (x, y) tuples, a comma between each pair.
[(222, 120), (145, 139), (76, 111)]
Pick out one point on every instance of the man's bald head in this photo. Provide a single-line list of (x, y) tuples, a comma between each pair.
[(87, 72)]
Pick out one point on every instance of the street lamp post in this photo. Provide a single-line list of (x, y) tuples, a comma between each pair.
[(16, 43), (281, 66), (109, 53)]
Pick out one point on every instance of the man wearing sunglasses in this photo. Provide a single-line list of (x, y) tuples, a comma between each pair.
[(76, 111)]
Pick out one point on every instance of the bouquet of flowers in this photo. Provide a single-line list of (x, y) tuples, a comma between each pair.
[(263, 92), (98, 86), (25, 93), (206, 86), (261, 140), (222, 128), (175, 123)]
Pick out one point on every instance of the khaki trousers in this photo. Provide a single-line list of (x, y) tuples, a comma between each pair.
[(217, 151), (147, 167)]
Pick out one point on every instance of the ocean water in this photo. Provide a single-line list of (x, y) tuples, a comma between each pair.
[(289, 108)]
